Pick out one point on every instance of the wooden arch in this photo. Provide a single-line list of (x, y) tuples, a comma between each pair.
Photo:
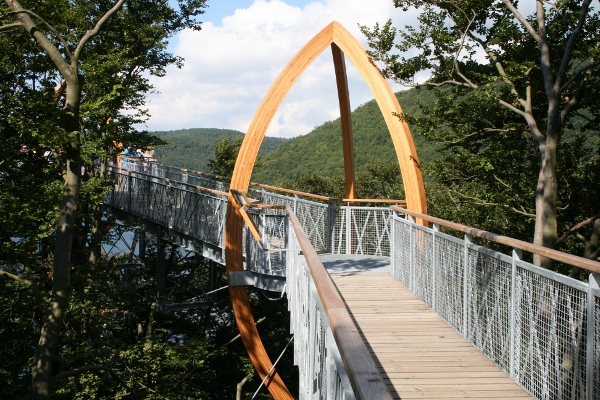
[(342, 43)]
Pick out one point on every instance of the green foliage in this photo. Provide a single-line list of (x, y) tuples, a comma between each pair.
[(377, 181), (194, 148), (320, 151), (518, 128)]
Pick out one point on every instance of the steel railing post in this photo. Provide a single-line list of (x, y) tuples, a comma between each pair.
[(129, 190), (434, 267), (329, 227), (348, 230), (196, 198), (411, 261), (516, 256), (393, 245), (594, 284), (264, 244), (468, 239)]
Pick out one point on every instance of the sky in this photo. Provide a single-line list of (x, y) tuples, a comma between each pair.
[(243, 46)]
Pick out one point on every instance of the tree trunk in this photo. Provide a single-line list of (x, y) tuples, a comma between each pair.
[(61, 274), (546, 221)]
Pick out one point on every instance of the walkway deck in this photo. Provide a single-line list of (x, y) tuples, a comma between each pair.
[(420, 355)]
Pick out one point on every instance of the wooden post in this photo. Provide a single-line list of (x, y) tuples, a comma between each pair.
[(341, 80)]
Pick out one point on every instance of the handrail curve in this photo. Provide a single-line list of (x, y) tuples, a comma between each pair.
[(585, 263)]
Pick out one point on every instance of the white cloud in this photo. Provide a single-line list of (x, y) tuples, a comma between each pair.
[(229, 68)]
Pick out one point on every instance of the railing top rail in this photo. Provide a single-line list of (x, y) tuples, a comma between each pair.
[(585, 263), (167, 180), (279, 189), (363, 373)]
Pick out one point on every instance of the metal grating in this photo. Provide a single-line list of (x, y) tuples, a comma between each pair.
[(488, 304), (320, 375), (449, 278), (401, 264), (314, 220), (339, 231), (370, 231), (595, 353), (549, 336), (422, 263)]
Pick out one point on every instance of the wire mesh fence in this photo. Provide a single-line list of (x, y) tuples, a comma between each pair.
[(183, 209), (321, 371), (361, 230), (267, 256), (538, 326)]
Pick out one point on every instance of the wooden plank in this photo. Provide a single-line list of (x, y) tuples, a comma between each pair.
[(419, 355)]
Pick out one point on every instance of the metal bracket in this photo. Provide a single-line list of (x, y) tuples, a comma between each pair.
[(249, 278)]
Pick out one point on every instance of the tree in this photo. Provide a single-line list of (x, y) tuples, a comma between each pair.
[(69, 94), (225, 155), (530, 80)]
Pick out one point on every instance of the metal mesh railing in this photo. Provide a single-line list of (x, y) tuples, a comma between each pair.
[(181, 208), (550, 334), (538, 326), (312, 215), (594, 348), (486, 293), (449, 279), (361, 230), (268, 256), (322, 375)]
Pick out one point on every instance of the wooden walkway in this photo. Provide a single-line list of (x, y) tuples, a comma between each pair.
[(419, 354)]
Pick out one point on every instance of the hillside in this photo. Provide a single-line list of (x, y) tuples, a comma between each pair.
[(320, 151), (193, 148)]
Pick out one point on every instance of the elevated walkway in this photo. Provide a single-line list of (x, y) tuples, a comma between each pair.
[(434, 316), (418, 354)]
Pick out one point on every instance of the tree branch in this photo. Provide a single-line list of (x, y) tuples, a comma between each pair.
[(90, 368), (460, 47), (562, 15), (574, 229), (15, 278), (480, 202), (10, 26), (212, 353), (50, 27), (570, 45), (577, 73), (545, 63), (66, 70), (511, 7), (79, 371), (90, 34), (571, 104)]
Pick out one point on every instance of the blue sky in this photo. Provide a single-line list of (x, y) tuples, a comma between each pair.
[(242, 47), (217, 9)]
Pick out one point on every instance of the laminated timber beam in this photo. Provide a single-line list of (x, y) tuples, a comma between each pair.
[(343, 44)]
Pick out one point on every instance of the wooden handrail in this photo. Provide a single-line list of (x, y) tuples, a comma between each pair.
[(362, 370), (291, 191), (373, 201), (585, 263)]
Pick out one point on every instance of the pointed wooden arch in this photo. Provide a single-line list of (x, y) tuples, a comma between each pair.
[(342, 43)]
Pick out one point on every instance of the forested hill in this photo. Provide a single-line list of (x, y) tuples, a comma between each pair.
[(193, 148), (320, 151)]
